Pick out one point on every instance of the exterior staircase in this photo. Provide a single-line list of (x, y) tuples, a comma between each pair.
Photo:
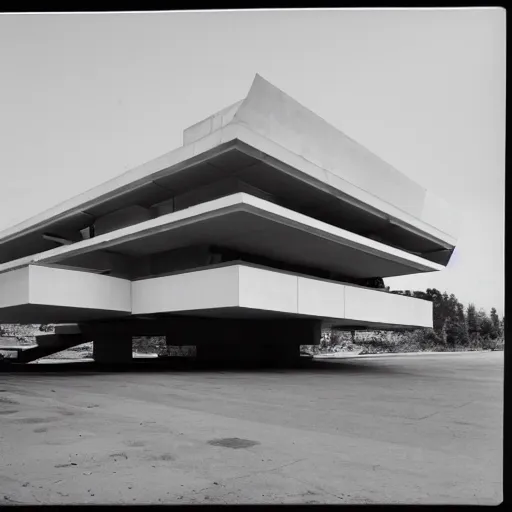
[(46, 345)]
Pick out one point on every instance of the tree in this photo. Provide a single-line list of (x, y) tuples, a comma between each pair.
[(495, 319), (445, 305), (439, 308), (456, 332), (487, 329), (471, 319), (434, 295), (452, 306), (421, 295), (453, 324), (481, 315), (461, 317)]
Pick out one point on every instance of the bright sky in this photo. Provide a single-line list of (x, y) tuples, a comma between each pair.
[(85, 97)]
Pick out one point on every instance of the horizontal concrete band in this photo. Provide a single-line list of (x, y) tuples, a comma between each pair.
[(354, 173), (143, 177), (254, 225), (226, 290), (53, 287)]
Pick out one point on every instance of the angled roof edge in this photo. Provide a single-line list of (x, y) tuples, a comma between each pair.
[(233, 202), (266, 112), (276, 116)]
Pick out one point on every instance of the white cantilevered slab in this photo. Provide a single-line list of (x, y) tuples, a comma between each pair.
[(37, 294), (312, 152), (252, 225), (241, 290), (223, 291)]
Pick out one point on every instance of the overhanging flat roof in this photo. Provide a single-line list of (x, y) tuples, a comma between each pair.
[(308, 162), (248, 224)]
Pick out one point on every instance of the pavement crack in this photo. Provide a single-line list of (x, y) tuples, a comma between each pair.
[(283, 466), (266, 470), (428, 415), (464, 404), (437, 412), (33, 496), (317, 487), (11, 500)]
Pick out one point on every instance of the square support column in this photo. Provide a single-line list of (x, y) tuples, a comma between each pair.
[(113, 349), (258, 341)]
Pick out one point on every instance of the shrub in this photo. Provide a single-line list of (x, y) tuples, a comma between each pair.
[(150, 345)]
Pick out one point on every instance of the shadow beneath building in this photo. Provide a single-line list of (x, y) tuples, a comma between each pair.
[(182, 364)]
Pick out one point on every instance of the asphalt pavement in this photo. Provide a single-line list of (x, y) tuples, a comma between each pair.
[(413, 430)]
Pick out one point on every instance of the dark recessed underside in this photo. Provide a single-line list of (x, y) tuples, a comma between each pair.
[(246, 230), (278, 183)]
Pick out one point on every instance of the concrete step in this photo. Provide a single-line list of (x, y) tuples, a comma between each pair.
[(17, 348), (50, 340), (67, 329), (49, 344)]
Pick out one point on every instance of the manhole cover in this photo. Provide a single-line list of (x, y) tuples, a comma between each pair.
[(233, 442)]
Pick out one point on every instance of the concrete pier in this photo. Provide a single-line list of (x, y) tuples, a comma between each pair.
[(112, 349)]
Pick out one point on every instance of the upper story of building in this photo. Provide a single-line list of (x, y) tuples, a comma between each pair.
[(276, 160)]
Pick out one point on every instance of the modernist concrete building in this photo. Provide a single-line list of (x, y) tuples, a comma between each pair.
[(266, 225)]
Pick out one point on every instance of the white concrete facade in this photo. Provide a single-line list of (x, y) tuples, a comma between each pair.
[(263, 180), (39, 285), (252, 288), (311, 151), (235, 290)]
